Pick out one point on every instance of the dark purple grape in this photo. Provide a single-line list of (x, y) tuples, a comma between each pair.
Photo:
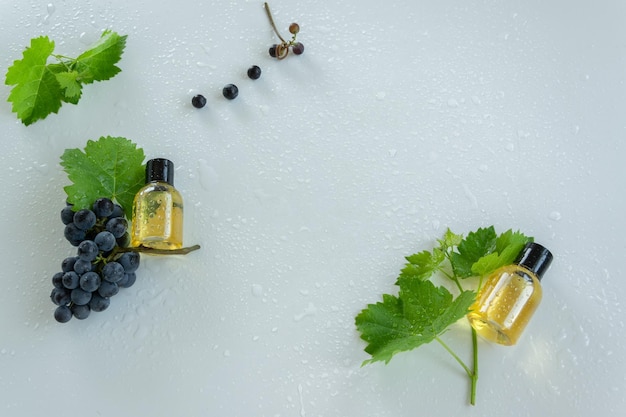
[(230, 91), (67, 215), (62, 314), (60, 296), (73, 234), (198, 101), (118, 211), (70, 280), (117, 226), (254, 72), (129, 261), (103, 207), (81, 312), (99, 303), (87, 250), (272, 50), (85, 219), (128, 280), (298, 48), (90, 281), (68, 263), (80, 297), (105, 241), (108, 289), (57, 280)]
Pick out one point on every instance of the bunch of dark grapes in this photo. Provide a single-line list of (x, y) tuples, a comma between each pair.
[(88, 280)]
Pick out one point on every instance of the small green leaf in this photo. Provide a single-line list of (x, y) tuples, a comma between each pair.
[(67, 81), (476, 245), (422, 265), (450, 240), (419, 314), (111, 167)]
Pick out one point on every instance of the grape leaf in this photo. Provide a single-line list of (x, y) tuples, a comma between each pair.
[(68, 82), (419, 314), (422, 265), (98, 63), (450, 240), (40, 89), (476, 245), (508, 246), (111, 167), (37, 92)]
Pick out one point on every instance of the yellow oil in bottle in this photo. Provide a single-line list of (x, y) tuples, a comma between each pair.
[(510, 295), (505, 304), (158, 209), (158, 219)]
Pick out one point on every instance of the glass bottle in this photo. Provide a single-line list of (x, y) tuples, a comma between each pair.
[(510, 296), (158, 209)]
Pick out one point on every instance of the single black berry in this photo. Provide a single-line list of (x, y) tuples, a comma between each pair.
[(298, 48), (198, 101), (273, 51), (230, 91), (254, 72)]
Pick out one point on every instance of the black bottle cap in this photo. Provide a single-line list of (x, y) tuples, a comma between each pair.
[(535, 258), (161, 170)]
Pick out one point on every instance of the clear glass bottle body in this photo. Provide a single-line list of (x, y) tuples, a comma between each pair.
[(505, 304), (158, 217)]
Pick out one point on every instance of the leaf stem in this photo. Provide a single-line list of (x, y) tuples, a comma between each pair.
[(455, 356), (474, 375)]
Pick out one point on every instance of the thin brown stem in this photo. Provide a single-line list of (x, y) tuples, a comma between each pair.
[(269, 16), (152, 251)]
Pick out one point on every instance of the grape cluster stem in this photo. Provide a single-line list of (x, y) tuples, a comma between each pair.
[(282, 49), (153, 251)]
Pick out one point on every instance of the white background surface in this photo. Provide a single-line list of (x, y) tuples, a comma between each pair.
[(399, 120)]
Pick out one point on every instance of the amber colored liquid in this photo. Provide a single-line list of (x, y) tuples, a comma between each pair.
[(505, 304), (158, 217)]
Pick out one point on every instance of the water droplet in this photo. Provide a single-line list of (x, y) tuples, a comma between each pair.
[(555, 215), (310, 310), (207, 175), (381, 95), (257, 290)]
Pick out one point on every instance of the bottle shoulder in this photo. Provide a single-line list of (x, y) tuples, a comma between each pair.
[(520, 271), (158, 186)]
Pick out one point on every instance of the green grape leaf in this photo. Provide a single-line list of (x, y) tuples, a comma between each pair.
[(450, 240), (68, 82), (419, 314), (40, 88), (111, 167), (36, 92), (476, 245), (508, 246), (98, 63), (422, 265)]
